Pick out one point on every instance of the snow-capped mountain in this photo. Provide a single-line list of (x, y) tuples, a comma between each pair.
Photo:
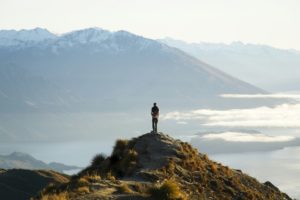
[(249, 62), (121, 64), (100, 39), (42, 38), (15, 38), (98, 71)]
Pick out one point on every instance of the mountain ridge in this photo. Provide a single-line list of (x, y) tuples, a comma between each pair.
[(248, 62), (18, 160)]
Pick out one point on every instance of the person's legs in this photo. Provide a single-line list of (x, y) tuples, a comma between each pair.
[(156, 120), (153, 124)]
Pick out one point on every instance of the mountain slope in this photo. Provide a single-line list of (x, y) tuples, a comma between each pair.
[(249, 62), (100, 67), (25, 161), (155, 166), (22, 91), (19, 184)]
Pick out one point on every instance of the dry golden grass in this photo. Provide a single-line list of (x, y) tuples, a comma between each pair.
[(169, 190), (140, 188), (205, 157), (82, 181), (227, 171), (128, 162), (110, 177), (213, 168), (171, 167), (124, 188), (60, 196), (92, 178), (82, 190)]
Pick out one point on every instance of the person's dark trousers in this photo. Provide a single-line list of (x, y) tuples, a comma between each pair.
[(154, 124)]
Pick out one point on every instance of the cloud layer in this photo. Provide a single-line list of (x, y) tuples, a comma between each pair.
[(261, 96), (246, 137), (283, 116)]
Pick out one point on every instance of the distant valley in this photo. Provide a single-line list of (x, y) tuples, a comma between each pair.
[(19, 160)]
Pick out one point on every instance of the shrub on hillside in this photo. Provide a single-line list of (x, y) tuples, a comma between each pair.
[(82, 190), (124, 188), (169, 190), (98, 160), (60, 196), (119, 147)]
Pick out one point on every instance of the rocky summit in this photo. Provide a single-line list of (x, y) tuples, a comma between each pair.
[(156, 166)]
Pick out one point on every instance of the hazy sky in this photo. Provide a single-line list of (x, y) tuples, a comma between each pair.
[(273, 22)]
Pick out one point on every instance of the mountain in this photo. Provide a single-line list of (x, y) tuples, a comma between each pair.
[(18, 160), (59, 87), (156, 166), (99, 67), (20, 184), (249, 62), (24, 37)]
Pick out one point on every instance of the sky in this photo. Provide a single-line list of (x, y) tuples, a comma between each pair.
[(271, 22)]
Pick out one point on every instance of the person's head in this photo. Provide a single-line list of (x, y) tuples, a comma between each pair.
[(154, 104)]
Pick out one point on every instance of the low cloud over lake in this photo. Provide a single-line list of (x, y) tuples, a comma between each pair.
[(281, 116)]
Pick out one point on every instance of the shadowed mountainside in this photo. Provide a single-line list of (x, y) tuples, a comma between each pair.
[(20, 184)]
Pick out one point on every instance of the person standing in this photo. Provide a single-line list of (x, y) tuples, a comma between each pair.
[(154, 114)]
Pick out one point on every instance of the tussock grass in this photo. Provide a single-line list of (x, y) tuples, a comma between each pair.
[(82, 190), (124, 188), (213, 168), (119, 147), (98, 160), (82, 181), (169, 190), (60, 196), (110, 176)]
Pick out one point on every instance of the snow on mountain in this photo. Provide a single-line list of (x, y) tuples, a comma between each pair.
[(99, 40), (102, 40), (83, 36), (89, 35), (14, 38)]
